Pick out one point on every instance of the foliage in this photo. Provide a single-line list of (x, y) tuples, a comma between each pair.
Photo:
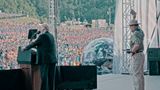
[(67, 9)]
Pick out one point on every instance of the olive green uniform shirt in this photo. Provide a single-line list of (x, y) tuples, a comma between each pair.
[(137, 37)]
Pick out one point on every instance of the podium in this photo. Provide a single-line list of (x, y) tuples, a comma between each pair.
[(28, 63)]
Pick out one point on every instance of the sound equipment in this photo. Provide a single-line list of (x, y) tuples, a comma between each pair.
[(154, 61), (78, 77), (154, 68), (153, 54), (12, 80)]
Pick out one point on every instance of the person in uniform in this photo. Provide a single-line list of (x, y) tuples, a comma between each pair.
[(137, 55)]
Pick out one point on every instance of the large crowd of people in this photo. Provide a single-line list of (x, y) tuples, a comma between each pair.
[(8, 15), (13, 33), (71, 40)]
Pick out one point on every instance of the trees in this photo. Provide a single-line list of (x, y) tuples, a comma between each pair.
[(17, 6), (83, 9), (86, 9)]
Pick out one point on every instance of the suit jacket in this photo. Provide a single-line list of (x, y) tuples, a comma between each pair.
[(46, 48)]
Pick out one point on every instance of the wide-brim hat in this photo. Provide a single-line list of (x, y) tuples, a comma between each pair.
[(133, 22)]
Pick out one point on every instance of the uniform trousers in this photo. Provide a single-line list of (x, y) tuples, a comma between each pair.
[(137, 63)]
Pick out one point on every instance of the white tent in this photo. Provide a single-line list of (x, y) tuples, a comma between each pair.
[(147, 14)]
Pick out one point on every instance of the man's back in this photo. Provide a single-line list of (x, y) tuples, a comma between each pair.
[(46, 49)]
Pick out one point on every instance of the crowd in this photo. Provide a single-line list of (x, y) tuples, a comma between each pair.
[(13, 33), (71, 40), (6, 15)]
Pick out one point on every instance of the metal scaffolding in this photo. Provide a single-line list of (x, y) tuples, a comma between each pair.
[(52, 16), (127, 6)]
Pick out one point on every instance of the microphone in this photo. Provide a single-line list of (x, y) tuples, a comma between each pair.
[(34, 35), (38, 32)]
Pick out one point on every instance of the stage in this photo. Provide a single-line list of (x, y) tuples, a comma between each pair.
[(15, 80), (124, 82)]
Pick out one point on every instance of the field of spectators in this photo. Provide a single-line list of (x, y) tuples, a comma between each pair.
[(13, 33), (7, 16), (71, 40)]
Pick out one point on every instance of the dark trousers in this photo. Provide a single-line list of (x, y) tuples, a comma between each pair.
[(48, 72)]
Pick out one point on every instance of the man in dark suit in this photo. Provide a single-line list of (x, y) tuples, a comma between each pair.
[(47, 59)]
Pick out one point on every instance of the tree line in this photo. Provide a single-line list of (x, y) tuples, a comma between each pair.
[(66, 9)]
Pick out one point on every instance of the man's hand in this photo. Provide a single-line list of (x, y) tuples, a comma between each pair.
[(133, 53), (24, 49)]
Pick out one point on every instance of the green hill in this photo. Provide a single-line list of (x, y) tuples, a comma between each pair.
[(68, 9)]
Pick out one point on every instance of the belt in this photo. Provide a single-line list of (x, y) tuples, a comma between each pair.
[(133, 53), (138, 52)]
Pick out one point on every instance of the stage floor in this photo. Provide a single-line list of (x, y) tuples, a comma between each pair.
[(124, 82)]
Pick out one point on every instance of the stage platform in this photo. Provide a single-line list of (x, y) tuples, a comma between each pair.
[(124, 82), (15, 80)]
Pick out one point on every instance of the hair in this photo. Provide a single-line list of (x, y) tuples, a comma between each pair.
[(46, 26)]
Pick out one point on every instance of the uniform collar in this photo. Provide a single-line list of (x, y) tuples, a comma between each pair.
[(137, 29)]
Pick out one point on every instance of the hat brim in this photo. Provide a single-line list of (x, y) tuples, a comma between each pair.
[(134, 24)]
